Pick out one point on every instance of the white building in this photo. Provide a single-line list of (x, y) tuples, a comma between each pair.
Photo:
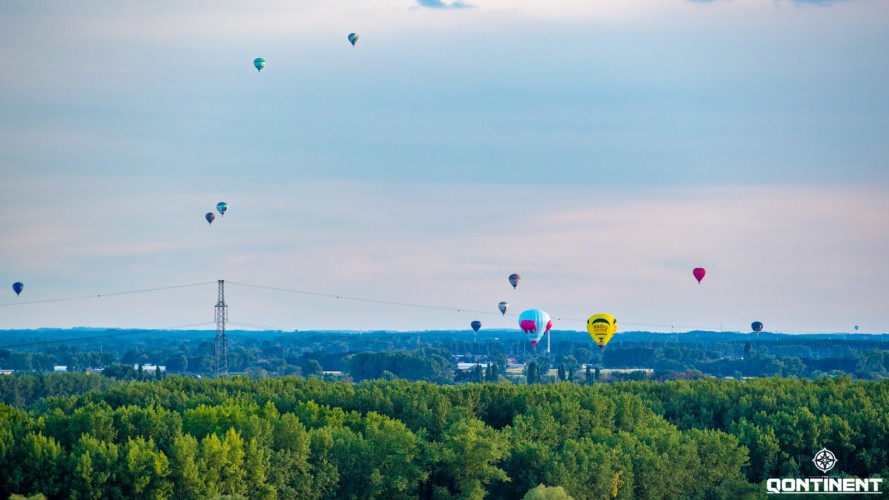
[(151, 368)]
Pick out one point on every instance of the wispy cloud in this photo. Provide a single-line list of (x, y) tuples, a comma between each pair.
[(442, 4)]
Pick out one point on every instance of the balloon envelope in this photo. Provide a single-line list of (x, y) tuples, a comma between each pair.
[(476, 325), (514, 280), (535, 321), (699, 273), (17, 287), (856, 328), (210, 217), (756, 326), (503, 306), (353, 37), (221, 207), (601, 328), (259, 63)]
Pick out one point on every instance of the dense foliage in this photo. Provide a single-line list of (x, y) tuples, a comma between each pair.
[(94, 437)]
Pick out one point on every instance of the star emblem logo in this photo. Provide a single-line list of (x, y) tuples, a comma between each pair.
[(824, 460)]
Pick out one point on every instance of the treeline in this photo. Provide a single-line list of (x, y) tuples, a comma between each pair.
[(306, 438), (433, 356)]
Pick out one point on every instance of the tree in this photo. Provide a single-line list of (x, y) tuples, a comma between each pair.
[(531, 373), (120, 372), (468, 455), (311, 367), (542, 492)]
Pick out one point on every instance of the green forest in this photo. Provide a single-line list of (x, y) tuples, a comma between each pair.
[(79, 435)]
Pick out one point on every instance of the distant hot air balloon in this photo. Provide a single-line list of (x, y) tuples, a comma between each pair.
[(476, 325), (535, 321), (699, 273), (221, 207), (210, 217), (856, 328), (601, 328), (17, 287), (756, 326), (503, 306), (514, 280), (353, 37), (259, 63)]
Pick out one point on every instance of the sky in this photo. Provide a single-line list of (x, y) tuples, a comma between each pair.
[(600, 149)]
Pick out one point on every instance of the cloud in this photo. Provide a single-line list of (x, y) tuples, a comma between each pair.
[(442, 4)]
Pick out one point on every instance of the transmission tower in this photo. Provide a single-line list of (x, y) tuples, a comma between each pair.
[(221, 367)]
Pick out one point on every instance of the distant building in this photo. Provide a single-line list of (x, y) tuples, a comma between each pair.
[(59, 368), (7, 372), (470, 366), (151, 368), (511, 363)]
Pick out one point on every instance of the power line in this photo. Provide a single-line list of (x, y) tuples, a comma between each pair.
[(365, 299), (430, 306), (100, 295), (253, 325)]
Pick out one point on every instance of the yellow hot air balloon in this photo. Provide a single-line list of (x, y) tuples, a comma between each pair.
[(601, 328)]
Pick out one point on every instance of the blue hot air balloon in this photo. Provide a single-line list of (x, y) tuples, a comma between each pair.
[(259, 63), (210, 217), (17, 287), (353, 37), (221, 207), (476, 325)]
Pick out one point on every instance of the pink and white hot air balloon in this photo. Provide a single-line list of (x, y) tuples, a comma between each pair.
[(536, 322)]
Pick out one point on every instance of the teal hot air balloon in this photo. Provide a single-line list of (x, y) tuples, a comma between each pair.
[(259, 63), (221, 207), (17, 287), (353, 38)]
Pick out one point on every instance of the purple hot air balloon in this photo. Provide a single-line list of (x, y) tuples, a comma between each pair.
[(514, 280)]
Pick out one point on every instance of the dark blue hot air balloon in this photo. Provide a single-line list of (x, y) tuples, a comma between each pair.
[(210, 217), (17, 287), (476, 325)]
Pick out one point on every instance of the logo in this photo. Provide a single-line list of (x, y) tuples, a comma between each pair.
[(825, 460)]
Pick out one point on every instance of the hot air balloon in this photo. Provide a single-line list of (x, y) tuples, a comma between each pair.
[(353, 37), (535, 321), (17, 287), (210, 217), (514, 280), (601, 328), (503, 306), (476, 325), (856, 328), (259, 63), (221, 207), (756, 326), (699, 273)]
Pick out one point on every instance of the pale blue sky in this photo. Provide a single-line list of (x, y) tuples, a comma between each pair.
[(601, 149)]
